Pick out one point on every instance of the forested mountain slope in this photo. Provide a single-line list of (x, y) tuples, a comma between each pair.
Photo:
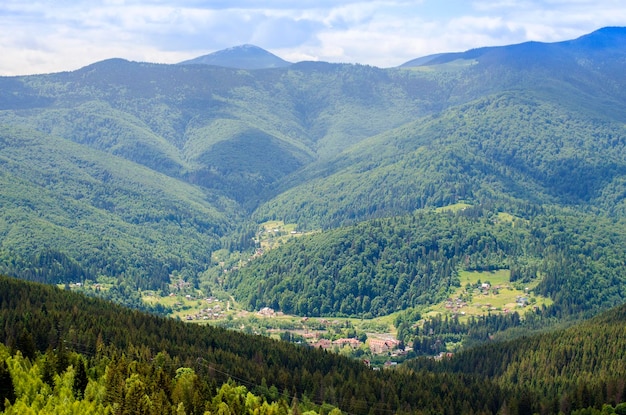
[(506, 144), (64, 351), (242, 57), (579, 367), (152, 351), (384, 265), (138, 172), (539, 122), (69, 214), (212, 141), (226, 135)]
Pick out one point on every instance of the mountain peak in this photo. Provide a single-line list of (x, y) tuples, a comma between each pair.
[(240, 57), (604, 38)]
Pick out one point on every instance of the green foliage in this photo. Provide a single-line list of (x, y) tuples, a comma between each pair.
[(70, 215), (575, 368), (384, 265), (497, 146), (138, 360), (137, 171), (182, 368)]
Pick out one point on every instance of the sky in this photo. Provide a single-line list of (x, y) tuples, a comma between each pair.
[(44, 36)]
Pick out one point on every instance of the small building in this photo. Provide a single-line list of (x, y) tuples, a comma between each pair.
[(267, 312), (378, 346), (353, 343)]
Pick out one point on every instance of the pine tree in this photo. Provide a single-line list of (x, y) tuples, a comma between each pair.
[(7, 391)]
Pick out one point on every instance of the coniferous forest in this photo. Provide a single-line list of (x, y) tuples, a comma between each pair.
[(322, 191), (63, 355)]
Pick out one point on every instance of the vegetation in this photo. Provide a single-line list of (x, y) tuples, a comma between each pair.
[(64, 352), (384, 265), (141, 172), (148, 351), (71, 215), (378, 195), (563, 371), (508, 144)]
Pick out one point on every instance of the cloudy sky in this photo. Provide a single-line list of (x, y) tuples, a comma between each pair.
[(41, 36)]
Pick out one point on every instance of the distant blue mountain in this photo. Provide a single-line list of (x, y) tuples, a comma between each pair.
[(601, 40), (240, 57)]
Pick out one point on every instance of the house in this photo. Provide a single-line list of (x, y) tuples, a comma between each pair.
[(378, 346), (267, 312), (444, 355), (354, 343)]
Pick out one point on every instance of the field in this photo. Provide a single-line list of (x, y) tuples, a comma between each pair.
[(191, 306), (480, 293), (274, 233), (486, 292)]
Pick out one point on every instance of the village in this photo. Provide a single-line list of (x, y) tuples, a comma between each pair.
[(470, 299), (340, 336), (372, 341), (214, 311)]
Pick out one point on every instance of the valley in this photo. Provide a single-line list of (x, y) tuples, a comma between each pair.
[(478, 294), (446, 236)]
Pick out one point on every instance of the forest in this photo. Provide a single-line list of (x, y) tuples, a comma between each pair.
[(138, 172), (66, 353), (384, 265)]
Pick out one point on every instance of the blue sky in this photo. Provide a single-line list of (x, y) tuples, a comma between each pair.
[(44, 36)]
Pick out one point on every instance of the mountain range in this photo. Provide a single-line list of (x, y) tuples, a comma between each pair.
[(138, 173), (319, 189)]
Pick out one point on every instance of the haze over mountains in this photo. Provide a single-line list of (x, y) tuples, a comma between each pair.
[(141, 171)]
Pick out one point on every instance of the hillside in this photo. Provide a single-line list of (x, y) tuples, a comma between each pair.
[(426, 270), (384, 265), (536, 122), (215, 141), (135, 174), (63, 351), (562, 370), (151, 352)]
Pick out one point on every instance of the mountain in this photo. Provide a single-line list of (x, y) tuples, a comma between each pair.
[(56, 330), (605, 39), (381, 266), (240, 57), (562, 359), (505, 123), (137, 173)]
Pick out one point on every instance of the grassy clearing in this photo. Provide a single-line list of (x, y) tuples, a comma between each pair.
[(275, 233), (192, 307), (489, 292), (453, 208)]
